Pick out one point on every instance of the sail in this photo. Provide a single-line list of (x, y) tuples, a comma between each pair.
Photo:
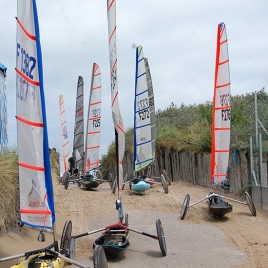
[(221, 120), (64, 134), (151, 104), (3, 109), (93, 121), (36, 204), (78, 145), (117, 118), (143, 155)]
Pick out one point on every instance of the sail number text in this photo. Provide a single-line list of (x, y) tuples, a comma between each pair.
[(144, 114), (26, 64), (225, 102), (96, 115)]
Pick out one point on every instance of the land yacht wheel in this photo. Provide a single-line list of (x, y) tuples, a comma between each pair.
[(164, 183), (126, 219), (99, 257), (99, 177), (65, 237), (65, 179), (72, 248), (185, 206), (111, 180), (124, 180), (114, 185), (161, 237), (166, 177), (250, 204)]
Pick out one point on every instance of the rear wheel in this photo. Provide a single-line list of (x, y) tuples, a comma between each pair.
[(164, 184), (250, 204), (126, 219), (99, 257), (185, 206), (161, 237), (166, 177)]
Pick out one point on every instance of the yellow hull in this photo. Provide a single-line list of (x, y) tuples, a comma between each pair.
[(40, 262)]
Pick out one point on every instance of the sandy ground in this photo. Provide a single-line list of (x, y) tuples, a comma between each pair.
[(200, 240)]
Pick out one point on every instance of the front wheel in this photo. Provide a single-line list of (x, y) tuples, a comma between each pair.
[(161, 237)]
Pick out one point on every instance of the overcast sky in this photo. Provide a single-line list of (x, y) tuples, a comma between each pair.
[(178, 38)]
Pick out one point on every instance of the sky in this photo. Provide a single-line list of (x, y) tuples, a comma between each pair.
[(178, 38)]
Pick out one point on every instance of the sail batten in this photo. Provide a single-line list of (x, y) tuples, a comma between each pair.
[(221, 118)]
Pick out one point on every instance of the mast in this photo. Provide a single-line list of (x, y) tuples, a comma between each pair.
[(64, 134), (117, 119), (36, 201), (143, 154), (92, 146), (78, 145), (221, 118)]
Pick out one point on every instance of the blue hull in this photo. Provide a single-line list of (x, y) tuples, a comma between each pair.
[(140, 186)]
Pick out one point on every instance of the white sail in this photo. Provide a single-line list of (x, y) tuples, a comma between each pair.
[(35, 182), (93, 121), (117, 118), (143, 154), (151, 103), (221, 121), (78, 145), (64, 134)]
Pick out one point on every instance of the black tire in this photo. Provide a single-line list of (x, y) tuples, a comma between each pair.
[(79, 184), (71, 248), (166, 177), (114, 185), (99, 257), (124, 180), (161, 237), (65, 180), (251, 205), (126, 219), (66, 235), (164, 183), (99, 177), (111, 180), (185, 206)]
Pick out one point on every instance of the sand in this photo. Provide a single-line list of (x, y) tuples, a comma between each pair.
[(200, 240)]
